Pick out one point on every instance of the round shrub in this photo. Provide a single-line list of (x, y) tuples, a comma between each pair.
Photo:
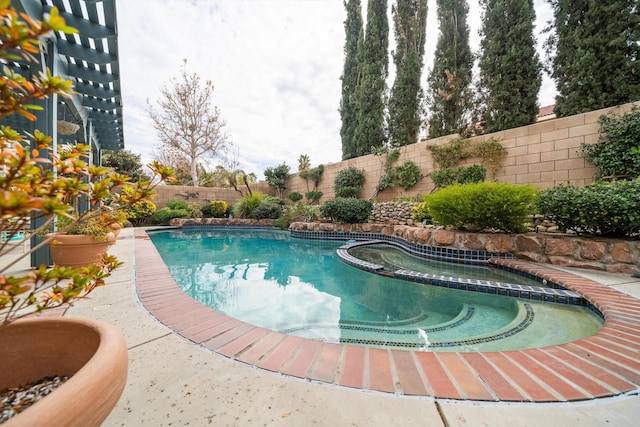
[(351, 178), (483, 206), (602, 208), (347, 192), (215, 209), (294, 196), (313, 196), (164, 215), (139, 212), (195, 211), (347, 210), (177, 204), (274, 200), (267, 211)]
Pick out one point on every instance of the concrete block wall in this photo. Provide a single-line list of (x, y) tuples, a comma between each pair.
[(201, 195), (543, 154)]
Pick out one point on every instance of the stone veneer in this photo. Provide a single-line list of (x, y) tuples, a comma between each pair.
[(596, 253)]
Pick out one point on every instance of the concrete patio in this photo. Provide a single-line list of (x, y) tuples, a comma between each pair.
[(173, 382)]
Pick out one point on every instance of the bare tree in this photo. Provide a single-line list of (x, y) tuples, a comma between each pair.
[(190, 127)]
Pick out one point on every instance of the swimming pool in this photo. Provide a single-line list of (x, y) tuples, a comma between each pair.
[(300, 287)]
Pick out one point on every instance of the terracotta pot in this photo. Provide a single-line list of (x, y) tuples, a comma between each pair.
[(93, 353), (71, 250)]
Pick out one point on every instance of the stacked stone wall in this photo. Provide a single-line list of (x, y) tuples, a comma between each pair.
[(597, 253), (395, 213)]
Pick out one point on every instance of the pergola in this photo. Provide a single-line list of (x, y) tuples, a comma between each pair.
[(90, 59), (92, 116)]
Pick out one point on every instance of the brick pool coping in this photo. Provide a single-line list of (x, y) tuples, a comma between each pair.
[(602, 365)]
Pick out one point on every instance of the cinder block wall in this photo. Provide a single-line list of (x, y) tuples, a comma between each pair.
[(201, 195), (543, 154)]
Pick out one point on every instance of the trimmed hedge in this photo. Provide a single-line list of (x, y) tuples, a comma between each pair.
[(347, 210), (602, 208), (166, 214), (483, 206)]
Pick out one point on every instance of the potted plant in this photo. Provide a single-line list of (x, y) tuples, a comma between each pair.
[(91, 354)]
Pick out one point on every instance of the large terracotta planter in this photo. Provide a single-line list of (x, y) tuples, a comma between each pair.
[(93, 353), (71, 250)]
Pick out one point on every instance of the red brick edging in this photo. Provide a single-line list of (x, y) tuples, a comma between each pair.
[(605, 364)]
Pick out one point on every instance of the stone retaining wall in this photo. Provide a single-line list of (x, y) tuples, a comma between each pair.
[(597, 253), (396, 213)]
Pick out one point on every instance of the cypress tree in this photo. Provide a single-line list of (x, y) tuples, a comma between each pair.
[(353, 31), (373, 64), (596, 52), (510, 69), (451, 74), (410, 19)]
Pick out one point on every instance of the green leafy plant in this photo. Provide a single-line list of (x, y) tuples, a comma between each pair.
[(421, 213), (459, 175), (215, 209), (602, 208), (177, 204), (245, 206), (39, 189), (312, 174), (491, 151), (298, 212), (277, 177), (406, 175), (164, 215), (449, 154), (615, 154), (139, 212), (294, 196), (313, 196), (483, 206), (195, 210), (267, 210), (347, 210), (348, 182)]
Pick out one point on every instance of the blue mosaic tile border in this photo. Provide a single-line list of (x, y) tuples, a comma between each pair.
[(548, 294), (231, 226), (528, 319), (459, 256), (372, 327)]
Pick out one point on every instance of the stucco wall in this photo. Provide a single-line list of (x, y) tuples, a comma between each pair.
[(543, 154)]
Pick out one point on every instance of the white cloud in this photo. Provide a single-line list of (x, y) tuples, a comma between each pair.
[(275, 64)]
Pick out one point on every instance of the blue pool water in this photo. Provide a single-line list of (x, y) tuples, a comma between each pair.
[(300, 287)]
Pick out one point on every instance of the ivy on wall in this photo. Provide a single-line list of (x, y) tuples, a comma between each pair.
[(448, 155)]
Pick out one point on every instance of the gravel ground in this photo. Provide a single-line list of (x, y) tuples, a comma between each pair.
[(16, 400)]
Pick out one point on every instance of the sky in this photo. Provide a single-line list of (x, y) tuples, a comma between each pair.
[(275, 65)]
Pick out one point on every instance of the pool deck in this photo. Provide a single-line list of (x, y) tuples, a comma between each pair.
[(190, 365)]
